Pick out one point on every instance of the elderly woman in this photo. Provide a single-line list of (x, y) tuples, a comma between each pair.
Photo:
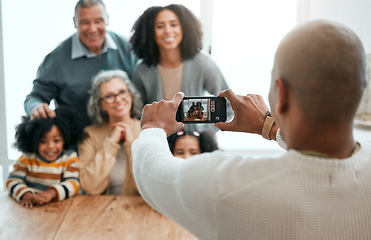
[(105, 153)]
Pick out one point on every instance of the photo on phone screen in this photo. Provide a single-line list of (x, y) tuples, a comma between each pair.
[(202, 110)]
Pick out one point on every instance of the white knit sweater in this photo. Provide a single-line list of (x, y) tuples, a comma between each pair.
[(219, 196)]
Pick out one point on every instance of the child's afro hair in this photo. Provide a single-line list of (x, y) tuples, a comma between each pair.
[(30, 132)]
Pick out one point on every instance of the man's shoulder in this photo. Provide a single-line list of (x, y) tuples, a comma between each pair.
[(118, 38), (64, 45), (63, 49)]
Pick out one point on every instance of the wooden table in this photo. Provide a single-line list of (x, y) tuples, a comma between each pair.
[(87, 217)]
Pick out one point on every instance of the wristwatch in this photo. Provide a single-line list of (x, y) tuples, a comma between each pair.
[(267, 126)]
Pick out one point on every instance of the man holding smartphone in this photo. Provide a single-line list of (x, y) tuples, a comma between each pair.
[(320, 189)]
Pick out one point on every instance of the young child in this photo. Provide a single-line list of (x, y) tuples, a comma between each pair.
[(47, 170), (185, 144)]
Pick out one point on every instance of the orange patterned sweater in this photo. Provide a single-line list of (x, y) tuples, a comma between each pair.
[(33, 174)]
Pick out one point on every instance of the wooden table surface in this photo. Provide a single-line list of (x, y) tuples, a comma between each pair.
[(87, 217)]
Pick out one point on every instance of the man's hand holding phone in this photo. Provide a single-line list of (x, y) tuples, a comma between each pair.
[(162, 115), (249, 113)]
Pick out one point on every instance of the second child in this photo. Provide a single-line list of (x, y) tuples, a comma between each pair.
[(185, 144)]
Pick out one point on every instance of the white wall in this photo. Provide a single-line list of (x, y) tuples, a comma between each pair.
[(4, 162), (356, 14), (245, 37)]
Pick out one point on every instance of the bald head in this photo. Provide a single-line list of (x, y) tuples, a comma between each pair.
[(323, 65)]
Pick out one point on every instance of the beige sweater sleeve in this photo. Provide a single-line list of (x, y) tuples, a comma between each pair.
[(97, 157), (129, 187)]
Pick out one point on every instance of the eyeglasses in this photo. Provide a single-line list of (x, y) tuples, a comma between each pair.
[(112, 97)]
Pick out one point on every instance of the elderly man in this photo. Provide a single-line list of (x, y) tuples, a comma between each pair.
[(66, 73), (320, 189)]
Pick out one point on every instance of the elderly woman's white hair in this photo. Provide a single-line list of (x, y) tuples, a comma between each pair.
[(97, 115)]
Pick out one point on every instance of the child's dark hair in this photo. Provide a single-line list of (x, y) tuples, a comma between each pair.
[(206, 140), (30, 132)]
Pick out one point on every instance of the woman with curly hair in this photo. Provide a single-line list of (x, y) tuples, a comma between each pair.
[(168, 40), (105, 153), (185, 144), (48, 169)]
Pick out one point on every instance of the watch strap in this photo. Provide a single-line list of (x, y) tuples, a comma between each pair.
[(267, 126)]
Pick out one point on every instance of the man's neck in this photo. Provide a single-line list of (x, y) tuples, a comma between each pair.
[(97, 50), (332, 140)]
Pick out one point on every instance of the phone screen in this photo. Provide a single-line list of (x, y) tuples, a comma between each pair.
[(202, 110)]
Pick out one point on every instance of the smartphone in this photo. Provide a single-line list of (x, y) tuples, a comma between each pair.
[(209, 109)]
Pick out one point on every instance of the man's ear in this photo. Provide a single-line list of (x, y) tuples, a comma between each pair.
[(107, 19), (282, 96), (74, 22)]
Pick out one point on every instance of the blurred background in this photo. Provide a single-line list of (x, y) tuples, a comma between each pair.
[(242, 37)]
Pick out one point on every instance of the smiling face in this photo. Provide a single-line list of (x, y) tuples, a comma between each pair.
[(119, 106), (51, 144), (168, 30), (91, 26), (186, 147)]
